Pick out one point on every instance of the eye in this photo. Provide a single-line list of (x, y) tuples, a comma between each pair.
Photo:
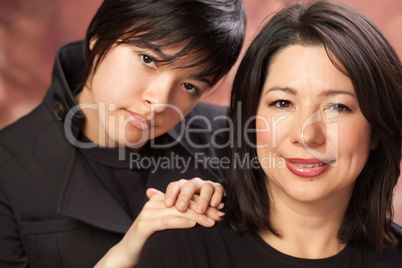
[(281, 104), (191, 89), (148, 60), (339, 107)]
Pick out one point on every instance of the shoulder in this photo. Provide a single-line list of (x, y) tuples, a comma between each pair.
[(211, 110), (397, 231), (205, 114), (33, 147), (164, 249), (206, 123), (392, 256), (182, 239), (194, 247), (17, 136)]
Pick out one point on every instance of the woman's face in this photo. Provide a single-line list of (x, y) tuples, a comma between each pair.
[(310, 127), (136, 97)]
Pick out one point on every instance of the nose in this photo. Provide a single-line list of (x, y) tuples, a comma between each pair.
[(309, 131), (157, 94)]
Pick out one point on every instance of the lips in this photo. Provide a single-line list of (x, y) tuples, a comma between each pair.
[(137, 121), (308, 168)]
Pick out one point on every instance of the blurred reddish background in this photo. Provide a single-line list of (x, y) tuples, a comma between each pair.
[(32, 30)]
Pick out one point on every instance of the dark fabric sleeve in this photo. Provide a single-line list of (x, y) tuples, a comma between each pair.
[(12, 252)]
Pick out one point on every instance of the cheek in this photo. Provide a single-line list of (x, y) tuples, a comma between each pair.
[(270, 137), (188, 107), (355, 137), (115, 83), (271, 133), (114, 88), (354, 146), (263, 131)]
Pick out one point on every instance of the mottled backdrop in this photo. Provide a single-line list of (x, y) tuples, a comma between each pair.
[(32, 30)]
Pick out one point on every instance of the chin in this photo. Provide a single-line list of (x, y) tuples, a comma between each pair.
[(307, 194)]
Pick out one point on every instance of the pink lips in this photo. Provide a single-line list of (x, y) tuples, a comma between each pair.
[(308, 168), (137, 121)]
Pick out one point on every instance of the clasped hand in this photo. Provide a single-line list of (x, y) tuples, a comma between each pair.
[(185, 204)]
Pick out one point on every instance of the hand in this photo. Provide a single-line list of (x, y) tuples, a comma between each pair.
[(179, 193), (155, 216)]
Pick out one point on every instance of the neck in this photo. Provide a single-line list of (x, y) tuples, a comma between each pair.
[(307, 230)]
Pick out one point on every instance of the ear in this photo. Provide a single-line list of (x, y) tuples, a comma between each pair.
[(92, 43)]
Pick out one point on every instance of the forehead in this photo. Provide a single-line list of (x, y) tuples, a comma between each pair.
[(307, 67)]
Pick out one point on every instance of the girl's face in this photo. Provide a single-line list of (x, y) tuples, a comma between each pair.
[(310, 128), (132, 97)]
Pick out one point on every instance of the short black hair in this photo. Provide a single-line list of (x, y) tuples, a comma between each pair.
[(213, 31), (376, 73)]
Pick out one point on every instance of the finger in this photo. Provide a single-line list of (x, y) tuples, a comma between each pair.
[(214, 214), (151, 215), (146, 227), (198, 182), (197, 197), (173, 222), (155, 217), (200, 219), (152, 191), (186, 194), (206, 193), (210, 212), (220, 206), (219, 192), (172, 192), (155, 202)]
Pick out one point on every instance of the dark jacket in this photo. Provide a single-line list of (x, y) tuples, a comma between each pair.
[(54, 210)]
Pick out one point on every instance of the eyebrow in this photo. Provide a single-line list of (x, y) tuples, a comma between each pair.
[(324, 93), (288, 90), (332, 92), (202, 79), (159, 52)]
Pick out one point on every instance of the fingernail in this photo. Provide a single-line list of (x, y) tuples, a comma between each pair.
[(180, 205), (214, 203), (221, 205), (200, 209), (220, 213), (169, 201), (210, 220), (191, 222)]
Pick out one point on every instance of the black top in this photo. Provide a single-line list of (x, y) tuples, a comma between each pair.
[(221, 247), (62, 206), (125, 181)]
